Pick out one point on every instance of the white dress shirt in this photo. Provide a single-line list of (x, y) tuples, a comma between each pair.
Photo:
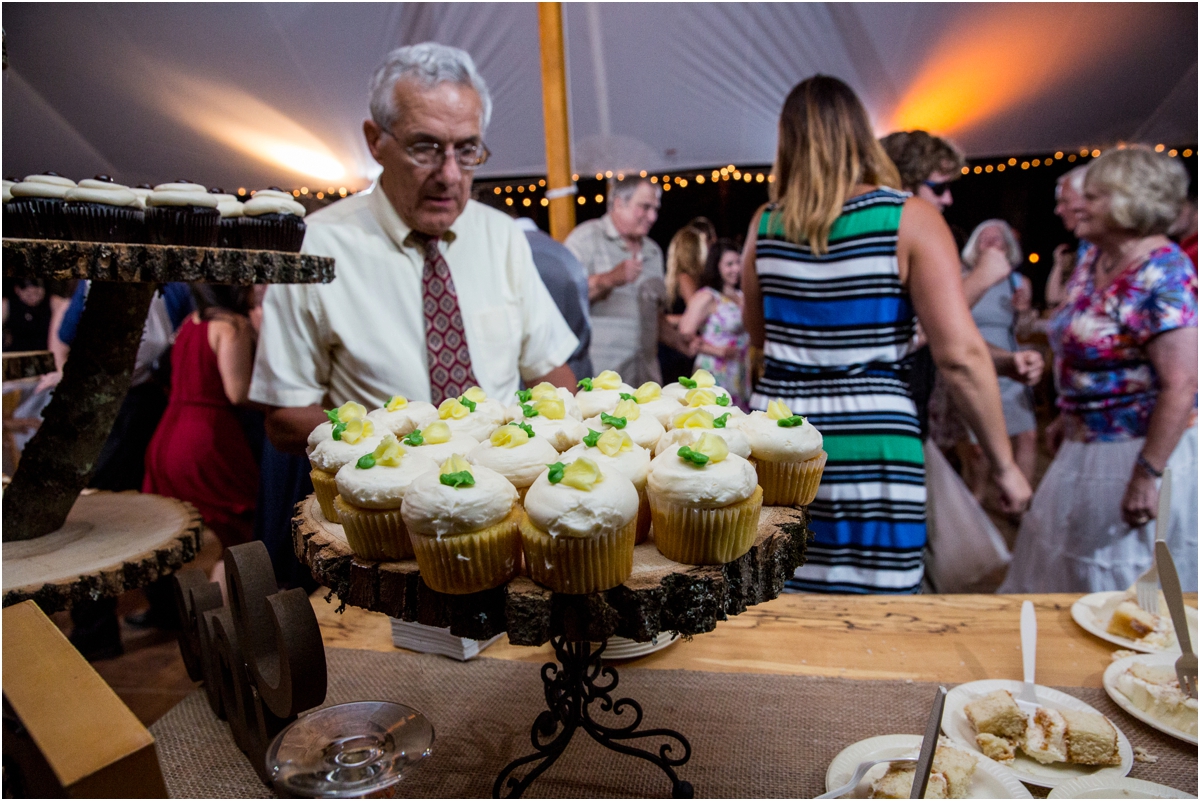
[(362, 337)]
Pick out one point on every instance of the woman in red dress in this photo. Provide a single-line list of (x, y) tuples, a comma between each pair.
[(199, 453)]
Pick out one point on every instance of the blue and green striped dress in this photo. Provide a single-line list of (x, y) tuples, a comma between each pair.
[(838, 327)]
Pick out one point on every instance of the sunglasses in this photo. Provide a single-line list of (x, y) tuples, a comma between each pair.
[(937, 188)]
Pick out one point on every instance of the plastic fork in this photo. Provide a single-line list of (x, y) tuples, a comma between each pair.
[(1146, 585), (1186, 666), (1027, 699), (859, 772)]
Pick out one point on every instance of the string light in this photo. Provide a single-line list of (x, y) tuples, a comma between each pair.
[(1159, 148), (241, 190), (581, 200), (699, 179), (508, 201), (526, 202), (666, 187), (607, 174), (304, 190), (545, 202), (497, 190), (1034, 258), (1071, 157), (320, 196), (1172, 152), (520, 188), (1187, 153), (642, 173), (599, 198)]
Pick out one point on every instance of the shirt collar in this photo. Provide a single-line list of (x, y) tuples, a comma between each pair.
[(610, 230), (395, 227), (526, 224)]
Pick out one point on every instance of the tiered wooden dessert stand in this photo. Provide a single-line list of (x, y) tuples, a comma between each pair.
[(60, 547), (660, 596)]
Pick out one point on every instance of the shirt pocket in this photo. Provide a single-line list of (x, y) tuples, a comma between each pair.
[(494, 339)]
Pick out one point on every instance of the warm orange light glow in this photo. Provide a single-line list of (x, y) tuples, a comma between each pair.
[(1034, 258), (545, 202), (526, 202), (1058, 155), (497, 190), (699, 179), (1036, 162), (1095, 154), (508, 201), (1071, 157), (1159, 148), (1187, 153), (581, 200), (988, 168), (599, 198), (666, 187), (1000, 167), (966, 170), (1172, 152)]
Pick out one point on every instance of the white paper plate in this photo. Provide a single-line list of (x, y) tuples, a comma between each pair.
[(1094, 611), (989, 780), (1103, 787), (962, 733), (1110, 686), (622, 648)]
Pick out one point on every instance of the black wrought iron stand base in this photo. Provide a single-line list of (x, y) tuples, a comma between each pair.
[(570, 691)]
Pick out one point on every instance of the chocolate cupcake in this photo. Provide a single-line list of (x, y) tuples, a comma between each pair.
[(36, 209), (272, 220), (101, 210), (229, 234), (9, 183), (10, 224), (182, 213)]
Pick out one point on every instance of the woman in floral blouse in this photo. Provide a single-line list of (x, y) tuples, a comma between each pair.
[(1124, 343)]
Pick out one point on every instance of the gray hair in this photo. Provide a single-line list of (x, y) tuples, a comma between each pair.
[(428, 63), (625, 187), (970, 251), (1147, 188), (1073, 178)]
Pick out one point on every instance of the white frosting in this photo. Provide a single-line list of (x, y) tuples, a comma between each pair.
[(181, 197), (417, 414), (142, 193), (381, 487), (319, 435), (8, 185), (676, 480), (109, 194), (570, 407), (644, 431), (773, 443), (734, 440), (1045, 736), (1155, 690), (677, 391), (600, 400), (634, 463), (478, 424), (31, 188), (564, 511), (272, 193), (716, 411), (562, 434), (270, 204), (663, 410), (436, 510), (331, 454), (461, 444), (52, 180), (229, 208), (520, 464)]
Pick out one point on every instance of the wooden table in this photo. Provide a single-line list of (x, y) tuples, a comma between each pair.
[(944, 638)]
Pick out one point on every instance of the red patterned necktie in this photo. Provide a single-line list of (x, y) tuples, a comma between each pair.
[(450, 373)]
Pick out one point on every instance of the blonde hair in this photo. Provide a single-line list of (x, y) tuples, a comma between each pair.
[(1012, 250), (686, 254), (826, 148), (1147, 188)]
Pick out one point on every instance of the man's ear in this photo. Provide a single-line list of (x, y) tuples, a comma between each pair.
[(373, 134)]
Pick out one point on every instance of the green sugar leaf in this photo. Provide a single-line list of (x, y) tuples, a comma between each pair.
[(528, 410), (338, 429), (414, 438), (462, 478), (365, 462), (592, 438), (556, 472), (722, 400), (524, 395), (585, 384), (627, 396), (791, 422), (528, 429), (719, 422), (465, 401), (687, 382), (615, 422), (695, 457), (332, 414)]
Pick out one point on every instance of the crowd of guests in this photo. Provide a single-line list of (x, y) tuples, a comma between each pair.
[(848, 298)]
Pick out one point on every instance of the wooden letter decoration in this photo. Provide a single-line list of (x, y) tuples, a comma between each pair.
[(261, 659)]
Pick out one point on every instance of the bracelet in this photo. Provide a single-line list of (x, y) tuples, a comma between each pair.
[(1149, 468)]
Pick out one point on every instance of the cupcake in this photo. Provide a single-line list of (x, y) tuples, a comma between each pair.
[(651, 401), (614, 451), (515, 452), (688, 426), (548, 418), (578, 528), (713, 400), (400, 415), (182, 213), (787, 453), (370, 493), (272, 220), (100, 210), (437, 442), (143, 192), (643, 429), (229, 227), (701, 379), (352, 436), (704, 502), (349, 411), (8, 185), (477, 419), (463, 521), (36, 210), (600, 394), (543, 391)]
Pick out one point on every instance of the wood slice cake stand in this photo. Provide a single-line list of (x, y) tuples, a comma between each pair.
[(660, 596)]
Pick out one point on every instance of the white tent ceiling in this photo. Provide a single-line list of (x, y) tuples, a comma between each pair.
[(251, 94)]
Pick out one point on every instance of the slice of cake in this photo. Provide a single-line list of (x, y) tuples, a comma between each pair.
[(997, 713), (1091, 738), (950, 777), (1000, 749), (1134, 623), (1155, 690), (1045, 736)]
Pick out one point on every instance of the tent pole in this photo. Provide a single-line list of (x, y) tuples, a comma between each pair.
[(554, 113)]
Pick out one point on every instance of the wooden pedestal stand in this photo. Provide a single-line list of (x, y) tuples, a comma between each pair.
[(59, 460), (659, 596)]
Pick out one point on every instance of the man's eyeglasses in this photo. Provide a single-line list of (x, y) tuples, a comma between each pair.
[(937, 188), (433, 154)]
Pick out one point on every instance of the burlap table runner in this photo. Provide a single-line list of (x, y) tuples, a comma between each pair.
[(752, 735)]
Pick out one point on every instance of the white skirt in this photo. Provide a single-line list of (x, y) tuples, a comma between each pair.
[(1072, 539)]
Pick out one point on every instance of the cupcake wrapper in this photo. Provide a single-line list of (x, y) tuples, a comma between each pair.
[(229, 232), (189, 226), (790, 483), (578, 565), (36, 218), (376, 534), (695, 536), (97, 222), (643, 518), (471, 562), (325, 488), (273, 232)]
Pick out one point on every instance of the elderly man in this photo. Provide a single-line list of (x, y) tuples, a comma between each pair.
[(434, 292), (625, 281)]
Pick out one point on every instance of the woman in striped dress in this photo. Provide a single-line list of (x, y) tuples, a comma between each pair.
[(837, 272)]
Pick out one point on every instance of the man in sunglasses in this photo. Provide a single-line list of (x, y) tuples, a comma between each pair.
[(434, 293)]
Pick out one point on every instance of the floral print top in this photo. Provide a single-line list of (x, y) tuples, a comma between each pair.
[(1101, 369)]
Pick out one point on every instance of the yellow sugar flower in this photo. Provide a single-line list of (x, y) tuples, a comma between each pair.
[(351, 411), (396, 402), (778, 410), (389, 452), (452, 409), (700, 397), (703, 379), (509, 437), (607, 380), (551, 408), (544, 391), (436, 433), (475, 394), (613, 441), (627, 409), (357, 430), (582, 474), (712, 446), (648, 392), (455, 464), (693, 418)]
